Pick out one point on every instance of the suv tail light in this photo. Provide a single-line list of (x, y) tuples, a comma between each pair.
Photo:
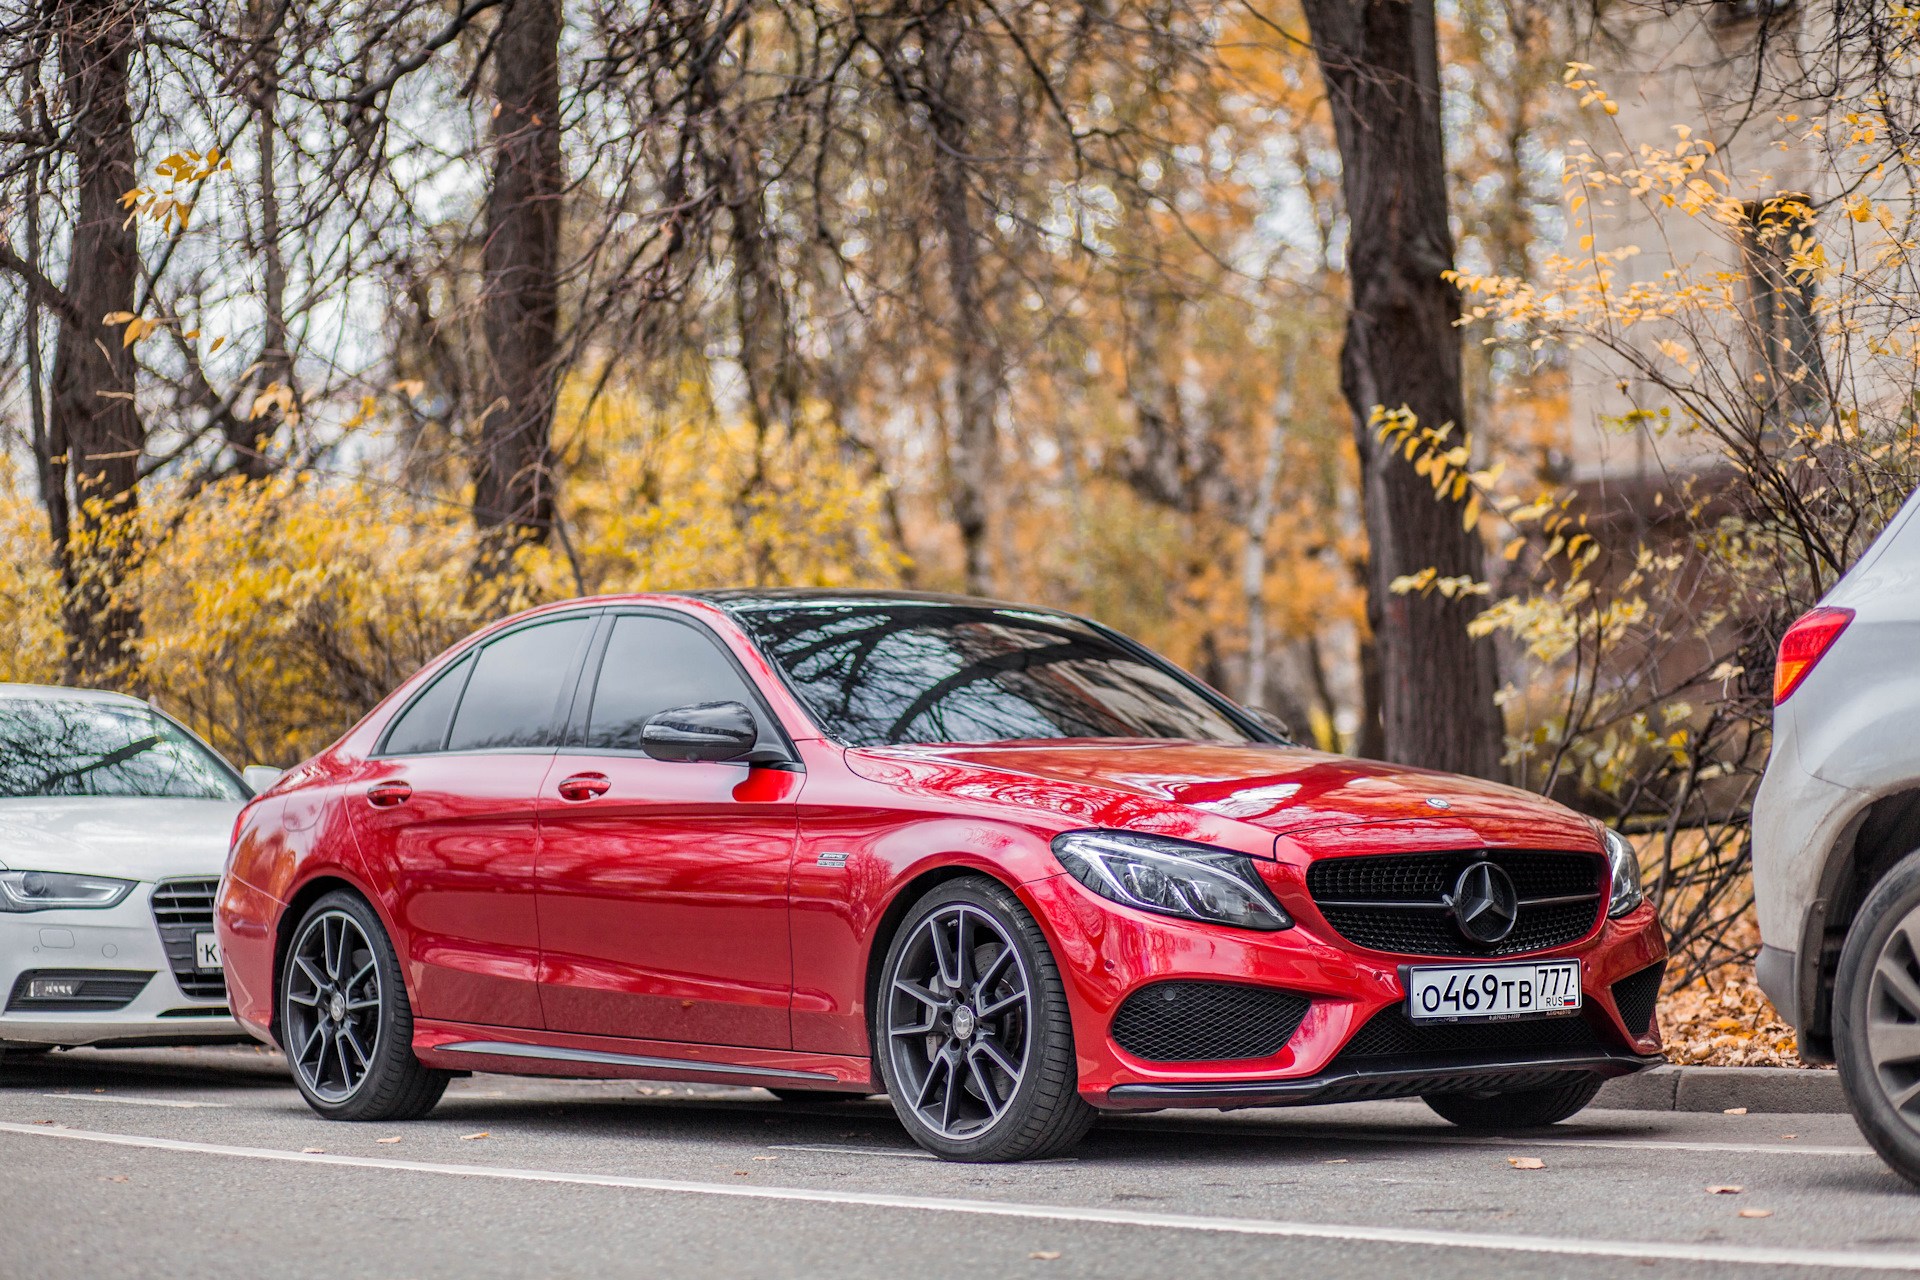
[(1811, 635)]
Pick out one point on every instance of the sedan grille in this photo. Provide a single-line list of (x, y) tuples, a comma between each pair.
[(1397, 902), (181, 909), (76, 990), (1391, 1034), (1207, 1021)]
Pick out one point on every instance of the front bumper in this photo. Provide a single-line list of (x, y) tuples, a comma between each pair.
[(119, 940), (1109, 952)]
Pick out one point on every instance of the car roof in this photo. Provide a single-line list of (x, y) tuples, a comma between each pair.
[(51, 692), (732, 598)]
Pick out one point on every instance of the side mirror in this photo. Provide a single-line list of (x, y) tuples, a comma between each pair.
[(711, 731), (259, 777)]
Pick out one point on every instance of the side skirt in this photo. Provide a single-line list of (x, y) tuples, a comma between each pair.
[(515, 1051)]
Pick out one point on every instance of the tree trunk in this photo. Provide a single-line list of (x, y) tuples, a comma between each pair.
[(1380, 62), (513, 498), (973, 449), (247, 437), (92, 409)]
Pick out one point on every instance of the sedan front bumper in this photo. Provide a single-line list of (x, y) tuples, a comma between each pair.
[(110, 951)]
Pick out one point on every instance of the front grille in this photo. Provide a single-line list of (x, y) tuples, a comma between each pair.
[(1396, 902), (1207, 1021), (76, 990), (181, 909), (1635, 996), (198, 1011), (1391, 1034)]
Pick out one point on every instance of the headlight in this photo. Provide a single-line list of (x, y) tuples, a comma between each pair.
[(47, 890), (1171, 877), (1624, 868)]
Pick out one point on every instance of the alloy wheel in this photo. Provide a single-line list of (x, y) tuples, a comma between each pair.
[(333, 1005), (1893, 1018), (959, 1018)]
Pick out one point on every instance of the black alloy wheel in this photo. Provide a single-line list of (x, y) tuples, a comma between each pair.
[(345, 1021), (1516, 1109), (1876, 1018), (972, 1032)]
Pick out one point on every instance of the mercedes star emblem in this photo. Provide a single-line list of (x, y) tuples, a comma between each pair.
[(1435, 802), (1484, 903)]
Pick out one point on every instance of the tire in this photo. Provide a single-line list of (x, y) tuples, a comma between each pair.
[(1520, 1109), (1876, 1018), (974, 1041), (345, 1020)]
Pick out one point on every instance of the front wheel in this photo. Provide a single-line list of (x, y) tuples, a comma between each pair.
[(1520, 1109), (971, 1030), (345, 1019), (1876, 1018)]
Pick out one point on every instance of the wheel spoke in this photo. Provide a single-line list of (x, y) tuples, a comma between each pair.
[(946, 963), (353, 1042), (908, 1033), (309, 973), (953, 1089), (310, 1001), (1897, 983), (995, 1104), (963, 950), (935, 1066), (991, 1050), (1004, 1002), (318, 1035), (371, 1002), (355, 980), (1891, 1042), (333, 942), (1900, 1099), (992, 971), (919, 993)]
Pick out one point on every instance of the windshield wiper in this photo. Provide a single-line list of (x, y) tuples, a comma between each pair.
[(120, 756)]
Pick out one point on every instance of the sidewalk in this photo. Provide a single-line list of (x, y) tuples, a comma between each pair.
[(1758, 1089)]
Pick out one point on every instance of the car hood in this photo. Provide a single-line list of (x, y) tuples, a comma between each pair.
[(1285, 790), (137, 838)]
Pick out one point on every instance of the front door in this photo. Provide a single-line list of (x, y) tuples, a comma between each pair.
[(447, 817), (663, 884)]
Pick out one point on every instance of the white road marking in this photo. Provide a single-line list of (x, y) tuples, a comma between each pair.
[(131, 1102), (1476, 1140), (1563, 1246)]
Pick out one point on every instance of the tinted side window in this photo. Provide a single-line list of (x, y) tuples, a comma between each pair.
[(423, 726), (652, 665), (513, 699)]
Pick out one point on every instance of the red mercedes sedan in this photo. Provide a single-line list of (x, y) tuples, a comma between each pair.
[(1000, 862)]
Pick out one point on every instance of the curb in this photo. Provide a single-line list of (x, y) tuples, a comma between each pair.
[(1758, 1089)]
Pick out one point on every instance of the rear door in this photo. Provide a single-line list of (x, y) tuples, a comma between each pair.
[(447, 815), (663, 884)]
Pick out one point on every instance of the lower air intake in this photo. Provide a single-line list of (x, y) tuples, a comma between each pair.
[(1391, 1034), (1207, 1021), (1635, 996)]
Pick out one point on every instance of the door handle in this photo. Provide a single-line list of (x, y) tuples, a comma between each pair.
[(384, 795), (584, 786)]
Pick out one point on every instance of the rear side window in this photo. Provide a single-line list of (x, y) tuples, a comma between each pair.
[(423, 726), (513, 697), (654, 664)]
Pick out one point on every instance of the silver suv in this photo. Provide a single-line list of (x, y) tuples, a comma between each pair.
[(1836, 838)]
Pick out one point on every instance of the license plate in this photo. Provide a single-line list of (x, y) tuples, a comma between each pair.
[(206, 951), (1488, 992)]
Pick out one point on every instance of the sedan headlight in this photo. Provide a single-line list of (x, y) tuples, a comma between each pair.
[(1171, 877), (51, 890), (1624, 868)]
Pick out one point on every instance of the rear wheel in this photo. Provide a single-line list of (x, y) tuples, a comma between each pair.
[(1520, 1109), (1876, 1018), (345, 1019), (972, 1032)]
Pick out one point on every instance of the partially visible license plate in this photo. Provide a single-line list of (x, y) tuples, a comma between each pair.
[(1485, 992), (206, 951)]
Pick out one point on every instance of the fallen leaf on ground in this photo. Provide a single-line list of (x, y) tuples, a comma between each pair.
[(1725, 1191), (739, 1173), (386, 1139), (1526, 1162), (1734, 1111), (1045, 1255), (118, 1178), (469, 1137), (1333, 1162), (766, 1157), (1756, 1213), (1789, 1135), (43, 1122), (313, 1151)]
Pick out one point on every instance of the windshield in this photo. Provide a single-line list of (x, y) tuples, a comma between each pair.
[(78, 747), (886, 673)]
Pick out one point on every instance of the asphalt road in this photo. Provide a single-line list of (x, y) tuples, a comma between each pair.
[(204, 1163)]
